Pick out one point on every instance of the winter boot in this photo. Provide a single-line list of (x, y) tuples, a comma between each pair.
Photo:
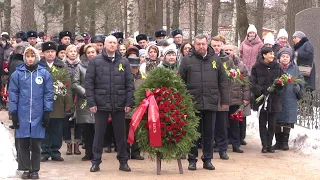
[(69, 149), (279, 141), (285, 145), (76, 149)]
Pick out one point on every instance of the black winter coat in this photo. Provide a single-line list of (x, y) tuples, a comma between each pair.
[(109, 84), (262, 77), (205, 79), (305, 57), (16, 60)]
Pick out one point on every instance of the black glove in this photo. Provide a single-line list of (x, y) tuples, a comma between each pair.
[(296, 88), (15, 121), (278, 87), (46, 119)]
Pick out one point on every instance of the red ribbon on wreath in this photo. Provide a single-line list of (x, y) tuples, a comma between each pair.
[(153, 120)]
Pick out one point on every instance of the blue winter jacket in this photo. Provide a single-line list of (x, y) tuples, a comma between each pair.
[(289, 99), (30, 95)]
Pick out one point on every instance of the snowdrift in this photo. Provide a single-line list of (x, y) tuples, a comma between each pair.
[(8, 164)]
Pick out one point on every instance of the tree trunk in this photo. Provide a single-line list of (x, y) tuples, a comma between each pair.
[(234, 23), (131, 16), (150, 17), (73, 17), (159, 14), (45, 18), (168, 14), (242, 18), (81, 16), (27, 15), (142, 16), (195, 16), (201, 16), (259, 17), (215, 17), (66, 15), (7, 16), (125, 17), (294, 7), (175, 15), (190, 20), (92, 17)]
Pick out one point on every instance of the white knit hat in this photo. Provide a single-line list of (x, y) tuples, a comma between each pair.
[(171, 48), (282, 33), (269, 39), (252, 28)]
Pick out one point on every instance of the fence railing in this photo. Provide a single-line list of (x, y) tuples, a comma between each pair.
[(309, 110)]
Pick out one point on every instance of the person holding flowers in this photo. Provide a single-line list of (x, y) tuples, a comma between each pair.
[(239, 99), (83, 115), (290, 96), (265, 76), (63, 102)]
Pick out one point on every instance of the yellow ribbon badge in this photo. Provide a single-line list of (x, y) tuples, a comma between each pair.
[(225, 65), (120, 67), (214, 64), (54, 69)]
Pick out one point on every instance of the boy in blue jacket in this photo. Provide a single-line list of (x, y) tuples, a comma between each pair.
[(31, 99)]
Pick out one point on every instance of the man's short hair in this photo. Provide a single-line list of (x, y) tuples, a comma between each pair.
[(201, 36)]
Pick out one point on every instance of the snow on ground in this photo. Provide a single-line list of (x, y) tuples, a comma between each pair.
[(8, 164), (302, 140)]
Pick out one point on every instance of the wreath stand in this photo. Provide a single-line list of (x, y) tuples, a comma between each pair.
[(158, 160)]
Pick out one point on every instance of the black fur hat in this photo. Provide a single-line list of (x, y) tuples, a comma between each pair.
[(49, 45), (160, 33), (176, 32), (65, 33), (141, 37), (32, 33)]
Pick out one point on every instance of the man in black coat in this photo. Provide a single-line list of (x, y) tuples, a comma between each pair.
[(109, 90), (206, 80)]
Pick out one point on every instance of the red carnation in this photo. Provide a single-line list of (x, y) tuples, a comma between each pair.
[(240, 112), (162, 106), (166, 102), (279, 82), (164, 89), (162, 124), (289, 80), (178, 102), (174, 132), (168, 128), (172, 106), (157, 90), (170, 139), (177, 119), (173, 115), (184, 132), (162, 115), (177, 112), (59, 77), (241, 76), (178, 139), (168, 119), (169, 91), (171, 98), (159, 98), (166, 109), (67, 84)]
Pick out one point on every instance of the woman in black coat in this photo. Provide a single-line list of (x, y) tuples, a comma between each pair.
[(303, 55), (263, 74)]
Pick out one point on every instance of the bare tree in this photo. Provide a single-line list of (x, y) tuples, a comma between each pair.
[(73, 19), (150, 17), (175, 14), (242, 18), (27, 15), (201, 16), (66, 15), (81, 15), (259, 17), (190, 20), (295, 6), (215, 17), (7, 16), (92, 17), (142, 16), (195, 16), (159, 14), (168, 13)]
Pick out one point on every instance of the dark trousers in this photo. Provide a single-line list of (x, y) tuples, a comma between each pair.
[(209, 118), (109, 136), (88, 135), (26, 163), (52, 143), (243, 128), (67, 131), (234, 128), (135, 151), (118, 122), (267, 133), (221, 131)]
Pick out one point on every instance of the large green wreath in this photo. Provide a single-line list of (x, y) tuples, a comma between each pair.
[(177, 115)]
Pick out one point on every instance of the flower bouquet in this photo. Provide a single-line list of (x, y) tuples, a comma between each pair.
[(164, 120), (279, 83), (4, 93), (238, 114), (60, 83), (235, 74)]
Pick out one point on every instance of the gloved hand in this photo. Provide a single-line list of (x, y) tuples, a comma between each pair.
[(296, 88), (278, 87), (68, 113), (15, 121), (45, 119)]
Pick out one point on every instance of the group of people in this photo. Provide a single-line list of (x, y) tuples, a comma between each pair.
[(89, 83)]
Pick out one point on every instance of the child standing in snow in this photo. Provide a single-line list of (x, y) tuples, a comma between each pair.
[(31, 100)]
